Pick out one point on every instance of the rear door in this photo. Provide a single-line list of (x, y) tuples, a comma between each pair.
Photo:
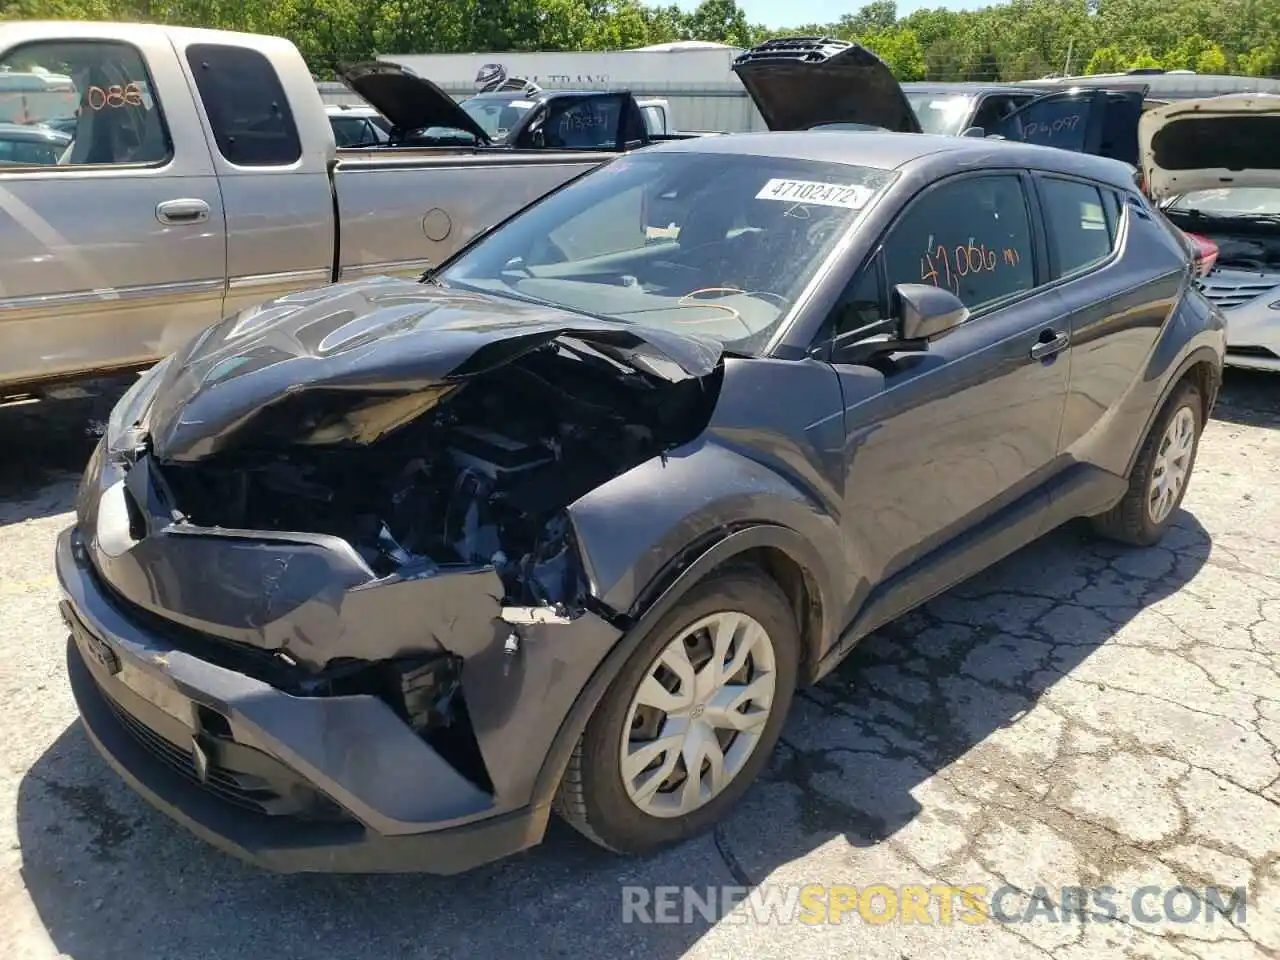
[(1116, 274), (1085, 120), (114, 255)]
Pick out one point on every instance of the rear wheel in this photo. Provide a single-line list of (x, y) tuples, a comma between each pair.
[(690, 720), (1160, 475)]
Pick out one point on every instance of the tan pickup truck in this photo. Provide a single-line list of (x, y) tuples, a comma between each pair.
[(202, 176)]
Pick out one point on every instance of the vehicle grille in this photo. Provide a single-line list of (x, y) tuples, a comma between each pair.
[(1227, 289), (223, 783)]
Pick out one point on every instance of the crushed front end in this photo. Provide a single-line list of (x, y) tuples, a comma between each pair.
[(345, 636)]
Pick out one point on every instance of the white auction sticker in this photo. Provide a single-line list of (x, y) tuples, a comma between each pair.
[(851, 197)]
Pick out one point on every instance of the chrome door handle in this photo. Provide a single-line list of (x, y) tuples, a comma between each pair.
[(1047, 348), (182, 211)]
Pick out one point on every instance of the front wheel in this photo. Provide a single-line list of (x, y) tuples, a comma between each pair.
[(691, 719), (1159, 478)]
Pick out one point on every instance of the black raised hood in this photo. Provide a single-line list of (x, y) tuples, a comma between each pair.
[(409, 101), (800, 82)]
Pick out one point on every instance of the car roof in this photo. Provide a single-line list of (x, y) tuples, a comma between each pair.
[(22, 131), (891, 151), (349, 110)]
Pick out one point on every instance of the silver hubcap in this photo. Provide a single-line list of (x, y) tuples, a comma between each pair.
[(1173, 463), (698, 714)]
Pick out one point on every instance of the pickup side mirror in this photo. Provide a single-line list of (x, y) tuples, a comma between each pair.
[(926, 312), (922, 314)]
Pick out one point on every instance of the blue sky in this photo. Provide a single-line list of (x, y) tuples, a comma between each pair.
[(785, 13)]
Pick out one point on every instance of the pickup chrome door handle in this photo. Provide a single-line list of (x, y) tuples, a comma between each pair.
[(182, 211), (1050, 342)]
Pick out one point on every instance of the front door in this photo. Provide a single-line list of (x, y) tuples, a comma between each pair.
[(940, 443), (114, 252)]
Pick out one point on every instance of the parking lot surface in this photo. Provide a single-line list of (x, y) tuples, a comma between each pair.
[(1081, 716)]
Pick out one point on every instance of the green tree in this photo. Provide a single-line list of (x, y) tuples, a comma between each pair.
[(1211, 60), (1144, 60), (1017, 39), (721, 21), (1106, 60), (1263, 61)]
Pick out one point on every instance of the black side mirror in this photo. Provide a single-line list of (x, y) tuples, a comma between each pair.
[(922, 313), (926, 312), (974, 132)]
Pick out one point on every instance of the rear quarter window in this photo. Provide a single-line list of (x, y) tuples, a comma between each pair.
[(246, 105), (1080, 231)]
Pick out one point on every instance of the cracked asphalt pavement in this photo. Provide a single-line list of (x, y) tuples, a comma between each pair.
[(1079, 716)]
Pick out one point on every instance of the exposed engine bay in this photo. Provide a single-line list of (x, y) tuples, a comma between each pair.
[(480, 479), (1245, 252)]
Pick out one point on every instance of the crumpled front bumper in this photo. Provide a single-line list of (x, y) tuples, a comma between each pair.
[(317, 783)]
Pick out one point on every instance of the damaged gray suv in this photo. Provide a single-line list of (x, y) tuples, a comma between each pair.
[(374, 577)]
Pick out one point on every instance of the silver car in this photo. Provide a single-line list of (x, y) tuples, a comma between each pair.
[(1244, 224), (1211, 164)]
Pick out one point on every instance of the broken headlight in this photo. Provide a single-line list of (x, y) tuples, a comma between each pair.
[(130, 408)]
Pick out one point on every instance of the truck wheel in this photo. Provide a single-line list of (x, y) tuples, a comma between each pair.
[(1160, 475), (690, 720)]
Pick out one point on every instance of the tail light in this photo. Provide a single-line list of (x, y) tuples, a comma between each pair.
[(1205, 253)]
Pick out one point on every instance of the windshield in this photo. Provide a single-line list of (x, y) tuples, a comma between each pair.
[(718, 245), (496, 115), (940, 113), (1231, 202)]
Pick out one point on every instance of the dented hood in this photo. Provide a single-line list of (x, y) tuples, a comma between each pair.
[(373, 354), (1211, 143), (798, 83), (409, 101)]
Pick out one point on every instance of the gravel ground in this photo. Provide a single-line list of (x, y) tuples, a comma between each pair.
[(1078, 716)]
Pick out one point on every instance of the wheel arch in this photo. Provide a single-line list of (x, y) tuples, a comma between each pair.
[(1203, 366), (779, 552)]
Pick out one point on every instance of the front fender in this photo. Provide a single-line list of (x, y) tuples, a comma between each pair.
[(640, 526)]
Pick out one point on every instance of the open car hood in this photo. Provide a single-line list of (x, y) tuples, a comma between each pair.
[(409, 101), (797, 83), (1210, 143), (348, 363)]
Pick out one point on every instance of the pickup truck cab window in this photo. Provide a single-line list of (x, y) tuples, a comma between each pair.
[(101, 94), (718, 245), (943, 114), (1076, 224), (246, 105), (971, 236)]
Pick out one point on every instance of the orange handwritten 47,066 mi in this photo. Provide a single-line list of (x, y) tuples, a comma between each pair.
[(113, 97), (944, 266)]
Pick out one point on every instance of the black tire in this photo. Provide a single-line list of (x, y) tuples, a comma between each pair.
[(592, 796), (1130, 521)]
